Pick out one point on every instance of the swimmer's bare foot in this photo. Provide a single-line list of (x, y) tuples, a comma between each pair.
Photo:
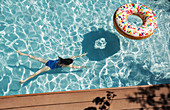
[(84, 54), (19, 52), (21, 82)]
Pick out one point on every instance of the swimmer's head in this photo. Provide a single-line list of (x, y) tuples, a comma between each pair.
[(66, 61)]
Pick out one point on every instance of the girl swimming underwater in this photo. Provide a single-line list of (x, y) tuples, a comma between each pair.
[(52, 64)]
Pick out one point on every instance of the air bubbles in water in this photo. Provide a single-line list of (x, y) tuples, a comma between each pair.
[(100, 43)]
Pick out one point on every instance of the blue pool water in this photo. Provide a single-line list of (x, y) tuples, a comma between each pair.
[(51, 28)]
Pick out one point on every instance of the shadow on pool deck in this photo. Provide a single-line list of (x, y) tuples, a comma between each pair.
[(103, 102), (110, 46), (155, 97), (149, 97)]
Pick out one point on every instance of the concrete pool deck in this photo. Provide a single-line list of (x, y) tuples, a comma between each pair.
[(119, 98)]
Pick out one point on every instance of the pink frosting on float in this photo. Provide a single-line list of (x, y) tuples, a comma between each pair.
[(145, 13)]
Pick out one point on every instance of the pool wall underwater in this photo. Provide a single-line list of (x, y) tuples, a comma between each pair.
[(52, 28)]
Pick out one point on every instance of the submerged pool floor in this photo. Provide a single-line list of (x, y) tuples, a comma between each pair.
[(65, 28)]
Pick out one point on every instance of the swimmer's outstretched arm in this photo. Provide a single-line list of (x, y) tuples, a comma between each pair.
[(74, 66), (46, 68), (79, 55)]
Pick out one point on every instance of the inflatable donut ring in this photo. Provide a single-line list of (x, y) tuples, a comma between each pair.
[(145, 13)]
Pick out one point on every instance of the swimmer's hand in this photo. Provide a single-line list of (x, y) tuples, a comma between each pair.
[(19, 52), (21, 82), (86, 67), (79, 55), (84, 54)]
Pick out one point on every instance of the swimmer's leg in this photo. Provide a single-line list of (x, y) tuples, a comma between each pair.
[(35, 58), (46, 68)]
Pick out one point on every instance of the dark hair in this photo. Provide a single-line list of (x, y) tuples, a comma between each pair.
[(65, 61)]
